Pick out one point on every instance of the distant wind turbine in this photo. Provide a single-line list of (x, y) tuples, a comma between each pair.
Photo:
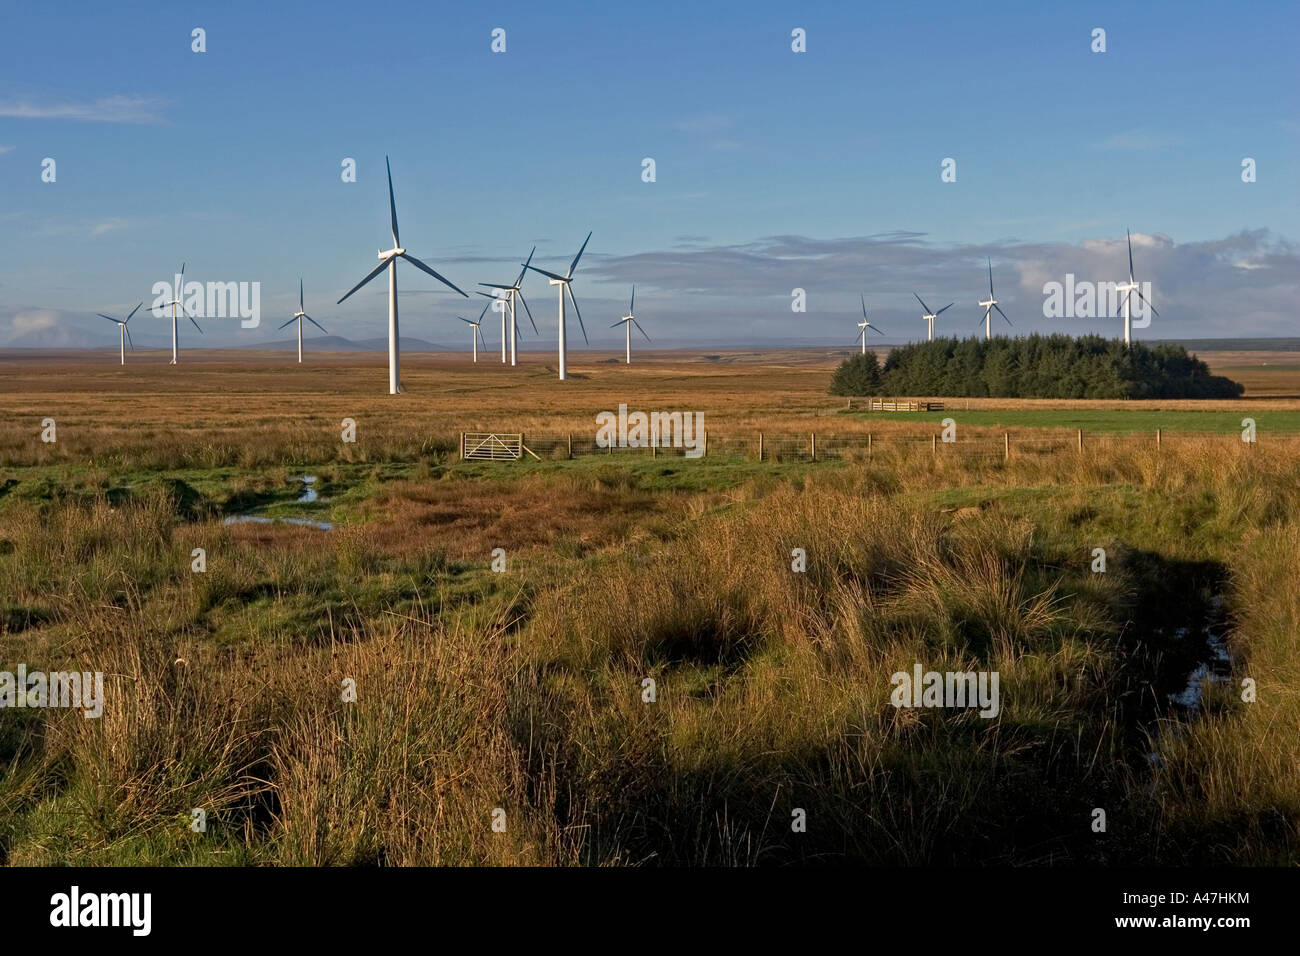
[(121, 324), (298, 317), (1128, 288), (476, 335), (388, 260), (627, 322), (931, 316), (565, 284), (989, 305), (864, 325), (177, 292), (511, 293)]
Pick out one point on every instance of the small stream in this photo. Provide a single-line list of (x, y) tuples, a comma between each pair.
[(309, 496), (1214, 670)]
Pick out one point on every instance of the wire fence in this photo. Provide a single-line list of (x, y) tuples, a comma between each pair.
[(815, 446)]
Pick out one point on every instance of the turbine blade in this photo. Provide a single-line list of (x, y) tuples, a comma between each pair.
[(109, 317), (128, 337), (195, 324), (520, 280), (639, 329), (182, 269), (300, 305), (923, 305), (392, 205), (549, 275), (486, 306), (520, 293), (1130, 254), (574, 264), (569, 289), (290, 322), (374, 272), (315, 323), (632, 305), (479, 333), (420, 265), (494, 285), (990, 278), (864, 304), (465, 320), (133, 312), (943, 310), (876, 330), (618, 323), (1004, 315), (1146, 303)]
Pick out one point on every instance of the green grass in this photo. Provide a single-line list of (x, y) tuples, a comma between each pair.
[(1101, 420)]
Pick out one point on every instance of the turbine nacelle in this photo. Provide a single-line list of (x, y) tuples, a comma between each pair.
[(392, 253)]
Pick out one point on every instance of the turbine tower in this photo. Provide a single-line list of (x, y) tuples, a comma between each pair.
[(475, 335), (931, 316), (121, 324), (298, 317), (565, 283), (512, 292), (864, 325), (388, 260), (176, 301), (990, 304), (627, 322), (1128, 288)]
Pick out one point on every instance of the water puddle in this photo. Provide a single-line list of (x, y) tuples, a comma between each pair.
[(309, 496), (1215, 670)]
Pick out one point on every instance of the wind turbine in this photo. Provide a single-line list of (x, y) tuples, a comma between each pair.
[(627, 322), (564, 282), (511, 293), (931, 316), (388, 260), (298, 317), (864, 325), (121, 324), (476, 335), (1128, 288), (178, 292), (989, 305)]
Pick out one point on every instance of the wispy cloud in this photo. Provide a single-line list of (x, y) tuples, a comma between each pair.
[(121, 108), (6, 149)]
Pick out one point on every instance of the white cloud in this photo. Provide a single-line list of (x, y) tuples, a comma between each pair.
[(120, 108)]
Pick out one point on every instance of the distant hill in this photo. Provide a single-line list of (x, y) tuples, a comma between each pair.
[(1233, 345), (337, 343)]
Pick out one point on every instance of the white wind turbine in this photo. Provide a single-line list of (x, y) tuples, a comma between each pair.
[(564, 282), (1128, 288), (627, 322), (177, 292), (121, 324), (512, 292), (388, 260), (931, 316), (298, 317), (476, 335), (990, 304), (864, 325)]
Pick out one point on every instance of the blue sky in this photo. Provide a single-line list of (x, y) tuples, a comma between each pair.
[(774, 169)]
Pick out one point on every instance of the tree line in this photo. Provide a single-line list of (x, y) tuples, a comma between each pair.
[(1033, 366)]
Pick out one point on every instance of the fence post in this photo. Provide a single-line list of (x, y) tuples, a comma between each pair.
[(570, 438), (848, 404), (462, 446), (868, 444), (813, 436), (1157, 438), (654, 450), (760, 446), (934, 444), (1006, 446), (706, 443), (1080, 440)]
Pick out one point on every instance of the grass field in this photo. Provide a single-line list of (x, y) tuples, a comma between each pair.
[(523, 690)]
